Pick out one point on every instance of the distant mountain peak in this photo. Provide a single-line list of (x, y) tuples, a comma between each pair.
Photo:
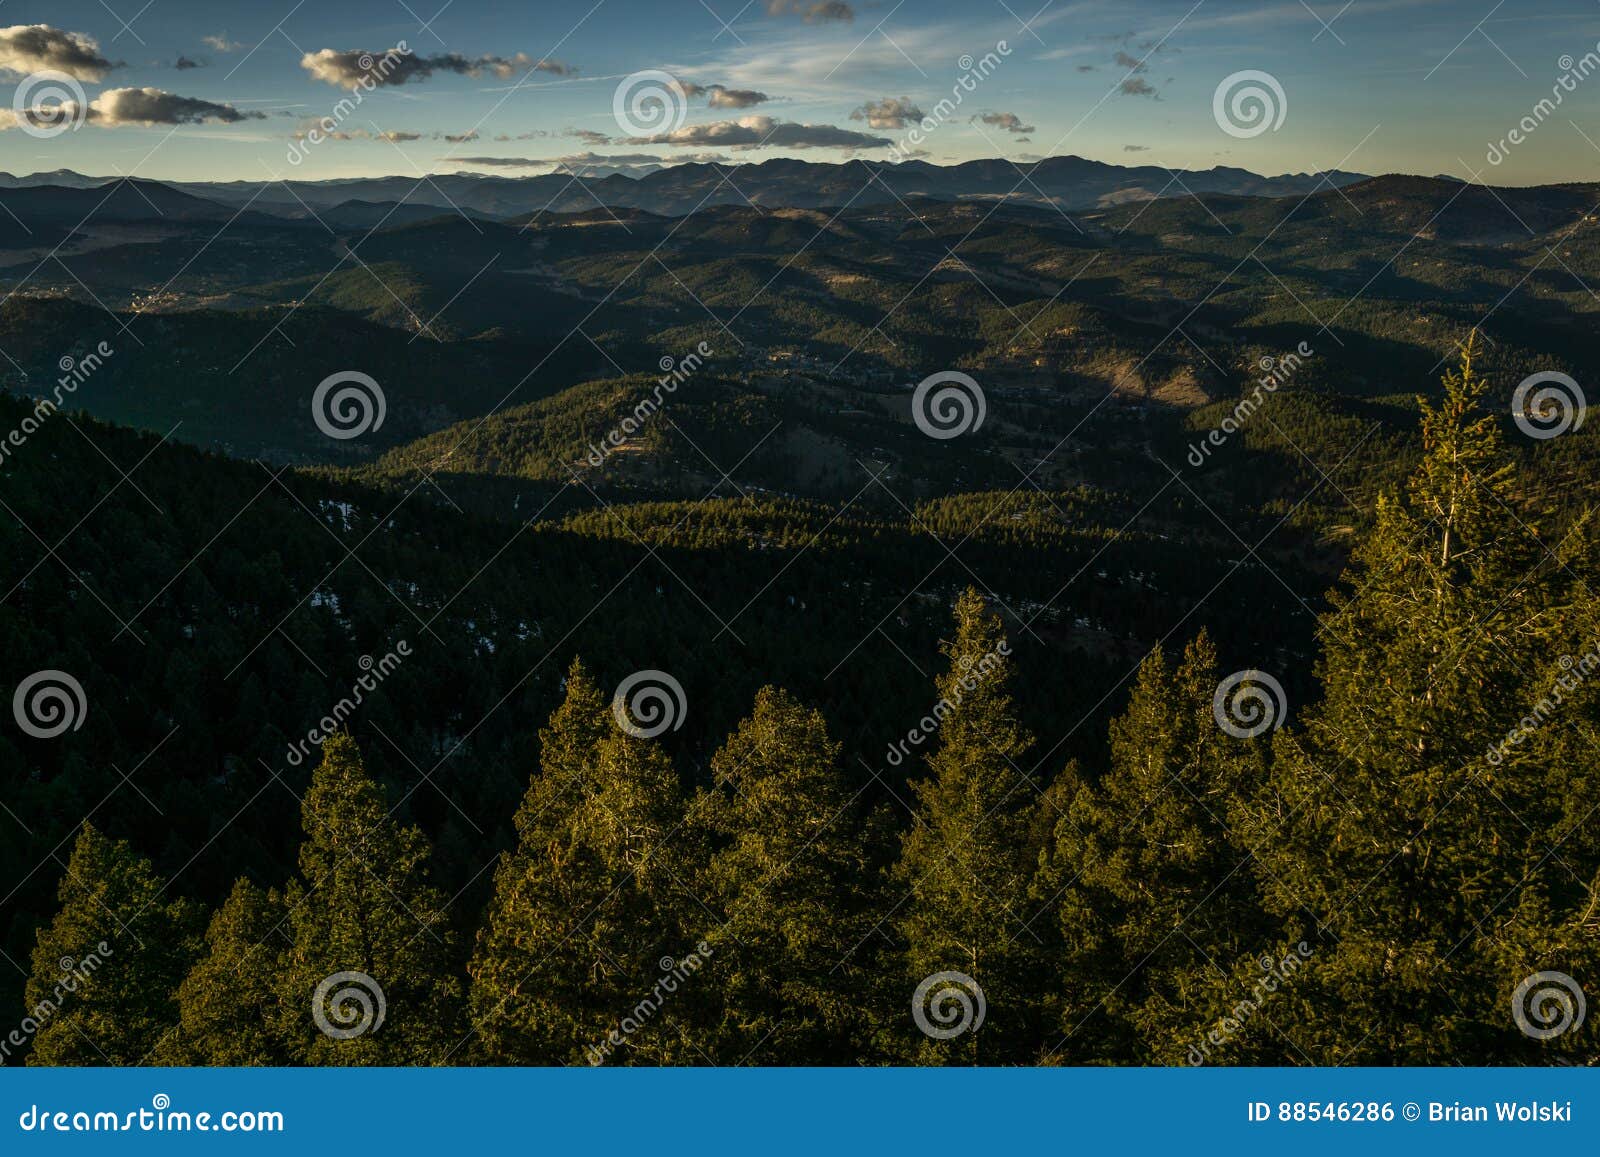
[(1062, 183)]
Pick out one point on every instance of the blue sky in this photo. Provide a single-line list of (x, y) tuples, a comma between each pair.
[(1418, 86)]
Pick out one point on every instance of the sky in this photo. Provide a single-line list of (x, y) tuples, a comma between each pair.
[(229, 90)]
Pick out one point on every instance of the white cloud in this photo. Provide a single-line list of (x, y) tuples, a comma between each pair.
[(762, 131), (892, 112), (26, 48)]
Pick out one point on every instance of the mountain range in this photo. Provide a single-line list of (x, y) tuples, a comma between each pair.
[(1066, 183)]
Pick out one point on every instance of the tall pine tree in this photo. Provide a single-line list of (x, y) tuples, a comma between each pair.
[(107, 969), (969, 858), (370, 933), (797, 893), (1431, 871), (1154, 894), (231, 1003), (588, 904)]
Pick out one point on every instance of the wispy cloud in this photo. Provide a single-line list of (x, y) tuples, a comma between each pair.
[(813, 11), (762, 131), (397, 66)]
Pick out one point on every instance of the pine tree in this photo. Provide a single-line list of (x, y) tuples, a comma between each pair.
[(589, 904), (1429, 871), (107, 969), (1154, 893), (969, 859), (369, 977), (793, 884), (230, 1003)]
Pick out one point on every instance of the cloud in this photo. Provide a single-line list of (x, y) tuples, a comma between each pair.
[(607, 159), (1134, 83), (184, 64), (393, 136), (397, 66), (152, 106), (139, 106), (721, 96), (588, 136), (505, 162), (1088, 68), (26, 48), (758, 131), (736, 97), (892, 112), (629, 164), (1007, 121), (1136, 148), (221, 43), (596, 164), (812, 11)]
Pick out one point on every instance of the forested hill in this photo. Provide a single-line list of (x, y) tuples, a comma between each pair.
[(214, 610), (1371, 847)]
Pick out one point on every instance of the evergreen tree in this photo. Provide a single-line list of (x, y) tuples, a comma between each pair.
[(1430, 870), (230, 1004), (793, 884), (970, 856), (589, 904), (369, 977), (107, 969), (1153, 893)]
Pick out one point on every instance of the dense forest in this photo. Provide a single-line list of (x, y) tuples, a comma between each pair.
[(1360, 853)]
